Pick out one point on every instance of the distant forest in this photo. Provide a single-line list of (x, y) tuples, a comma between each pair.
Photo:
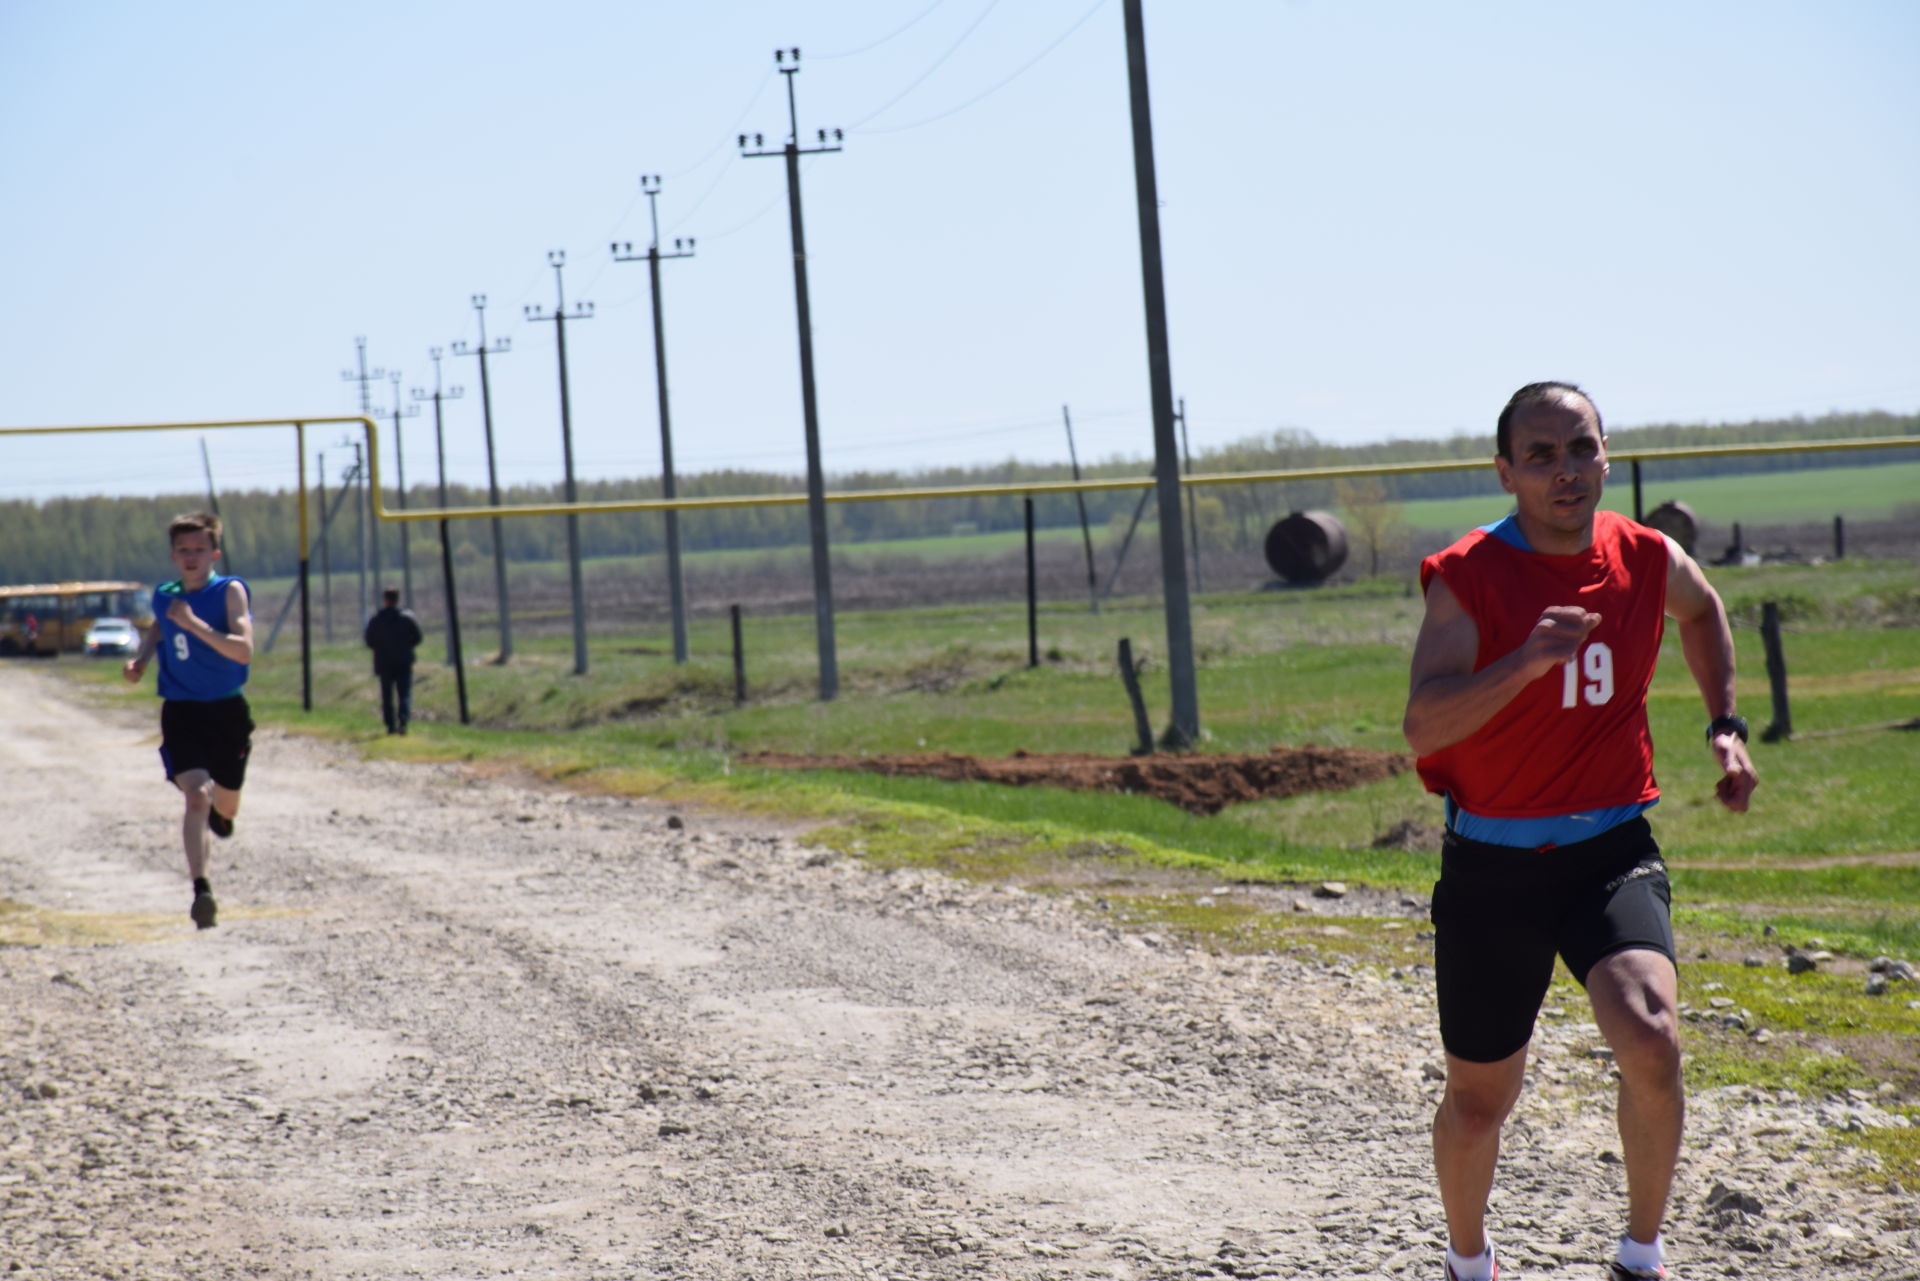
[(109, 537)]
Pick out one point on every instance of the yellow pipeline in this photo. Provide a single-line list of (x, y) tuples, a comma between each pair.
[(959, 491), (299, 447)]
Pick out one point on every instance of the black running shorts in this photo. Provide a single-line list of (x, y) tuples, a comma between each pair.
[(1501, 914), (215, 737)]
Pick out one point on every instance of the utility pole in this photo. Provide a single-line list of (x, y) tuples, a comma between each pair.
[(1193, 507), (557, 259), (499, 347), (440, 449), (400, 466), (1184, 732), (364, 377), (676, 581), (1086, 533), (789, 66)]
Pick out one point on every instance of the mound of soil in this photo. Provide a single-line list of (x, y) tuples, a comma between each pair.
[(1200, 783)]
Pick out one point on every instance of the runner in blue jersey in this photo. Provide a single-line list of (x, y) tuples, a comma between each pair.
[(203, 633)]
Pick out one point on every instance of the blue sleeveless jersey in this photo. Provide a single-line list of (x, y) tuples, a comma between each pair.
[(190, 669)]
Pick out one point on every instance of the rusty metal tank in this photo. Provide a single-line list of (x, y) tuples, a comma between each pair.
[(1676, 520), (1307, 547)]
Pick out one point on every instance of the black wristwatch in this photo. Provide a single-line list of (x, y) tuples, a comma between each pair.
[(1734, 725)]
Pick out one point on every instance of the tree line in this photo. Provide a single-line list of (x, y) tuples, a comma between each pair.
[(122, 537)]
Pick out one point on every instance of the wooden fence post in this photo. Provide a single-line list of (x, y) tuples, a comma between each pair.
[(454, 653), (1033, 596), (739, 660), (1782, 727), (1131, 679)]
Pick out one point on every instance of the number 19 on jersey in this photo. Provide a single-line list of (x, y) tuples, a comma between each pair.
[(1589, 675)]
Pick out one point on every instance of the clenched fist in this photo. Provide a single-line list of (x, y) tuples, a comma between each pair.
[(1557, 637)]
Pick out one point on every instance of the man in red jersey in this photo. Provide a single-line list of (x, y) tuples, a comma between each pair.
[(1528, 710)]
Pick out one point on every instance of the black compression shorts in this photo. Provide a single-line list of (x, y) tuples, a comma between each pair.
[(216, 737), (1500, 915)]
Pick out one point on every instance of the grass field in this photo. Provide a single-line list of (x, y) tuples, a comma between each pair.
[(1819, 856), (932, 551)]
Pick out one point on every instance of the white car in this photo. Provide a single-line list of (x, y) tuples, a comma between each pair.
[(111, 636)]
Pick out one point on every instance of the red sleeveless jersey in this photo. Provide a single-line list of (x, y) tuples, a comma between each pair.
[(1576, 739)]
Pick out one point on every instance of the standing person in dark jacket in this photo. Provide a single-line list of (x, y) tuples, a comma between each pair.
[(393, 634)]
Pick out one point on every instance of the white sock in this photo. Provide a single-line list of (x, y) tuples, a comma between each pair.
[(1477, 1267), (1635, 1255)]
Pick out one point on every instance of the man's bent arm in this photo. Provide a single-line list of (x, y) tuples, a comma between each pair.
[(1705, 636), (1448, 700), (1706, 640)]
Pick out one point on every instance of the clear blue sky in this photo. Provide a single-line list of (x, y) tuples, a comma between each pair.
[(1380, 216)]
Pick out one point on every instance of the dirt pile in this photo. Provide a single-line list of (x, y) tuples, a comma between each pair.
[(1199, 783)]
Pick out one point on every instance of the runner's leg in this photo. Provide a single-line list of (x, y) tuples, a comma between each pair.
[(1634, 994), (1466, 1141), (229, 762), (197, 786)]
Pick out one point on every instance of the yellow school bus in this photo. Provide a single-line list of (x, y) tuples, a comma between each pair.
[(54, 618)]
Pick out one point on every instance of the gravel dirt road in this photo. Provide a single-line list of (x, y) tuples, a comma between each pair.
[(458, 1026)]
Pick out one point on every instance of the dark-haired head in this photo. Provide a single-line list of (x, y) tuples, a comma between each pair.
[(1532, 396), (195, 523)]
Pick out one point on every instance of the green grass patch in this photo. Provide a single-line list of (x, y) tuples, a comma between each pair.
[(1047, 821), (1861, 931), (1823, 1036), (1899, 1150), (1820, 1002), (794, 559), (22, 925), (1385, 943)]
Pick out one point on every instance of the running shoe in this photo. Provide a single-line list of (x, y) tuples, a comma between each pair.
[(1455, 1276), (219, 824), (1618, 1271), (203, 910)]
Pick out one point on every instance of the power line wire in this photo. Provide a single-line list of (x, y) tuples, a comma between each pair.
[(752, 100), (694, 207), (1020, 71), (732, 129), (911, 23), (937, 64)]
